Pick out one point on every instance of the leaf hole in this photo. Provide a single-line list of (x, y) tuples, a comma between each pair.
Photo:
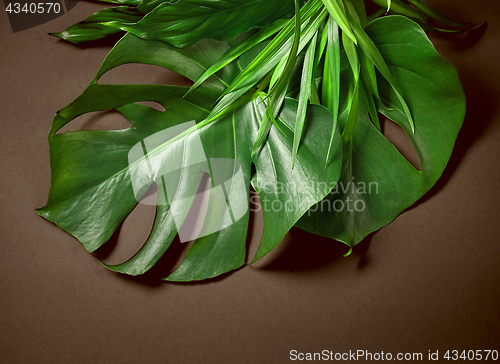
[(129, 237), (152, 104), (136, 228), (135, 73), (150, 197), (397, 136), (97, 120), (255, 226), (194, 221)]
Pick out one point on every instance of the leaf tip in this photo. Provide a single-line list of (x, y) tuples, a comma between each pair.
[(57, 35), (349, 252)]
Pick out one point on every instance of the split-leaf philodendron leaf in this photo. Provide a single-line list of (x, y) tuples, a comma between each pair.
[(92, 190), (338, 177)]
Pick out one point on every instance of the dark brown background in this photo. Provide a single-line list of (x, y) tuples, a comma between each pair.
[(428, 281)]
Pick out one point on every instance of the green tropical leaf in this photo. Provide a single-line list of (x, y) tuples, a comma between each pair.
[(278, 48), (95, 184), (359, 8), (239, 50), (338, 14), (279, 90), (353, 109), (434, 29), (370, 104), (376, 179), (266, 60)]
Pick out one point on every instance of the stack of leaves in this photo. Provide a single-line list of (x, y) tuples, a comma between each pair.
[(290, 90)]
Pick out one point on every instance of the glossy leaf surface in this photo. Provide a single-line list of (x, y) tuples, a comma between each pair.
[(376, 178), (238, 125), (92, 189)]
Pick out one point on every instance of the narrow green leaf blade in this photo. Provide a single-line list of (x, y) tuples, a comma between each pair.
[(237, 51), (305, 90), (360, 9), (331, 82), (277, 49), (368, 75), (353, 108), (353, 114), (255, 72), (340, 18)]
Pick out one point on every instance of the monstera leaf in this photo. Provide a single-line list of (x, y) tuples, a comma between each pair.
[(377, 182), (290, 111), (96, 183)]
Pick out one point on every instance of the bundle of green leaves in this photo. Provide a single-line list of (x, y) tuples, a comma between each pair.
[(292, 91)]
